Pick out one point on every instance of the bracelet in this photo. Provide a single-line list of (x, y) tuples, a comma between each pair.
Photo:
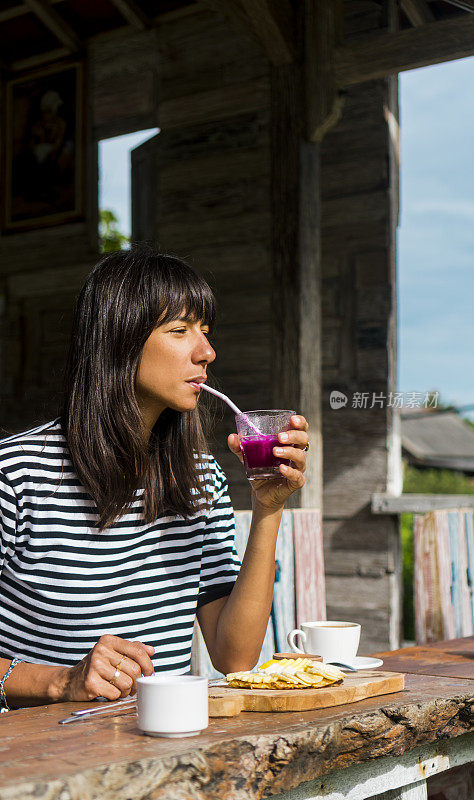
[(3, 699)]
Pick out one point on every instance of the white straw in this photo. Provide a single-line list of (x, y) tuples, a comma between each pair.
[(222, 397), (231, 405)]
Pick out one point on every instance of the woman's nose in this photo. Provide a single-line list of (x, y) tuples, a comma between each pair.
[(204, 352)]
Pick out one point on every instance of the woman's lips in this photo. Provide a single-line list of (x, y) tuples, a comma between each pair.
[(195, 385)]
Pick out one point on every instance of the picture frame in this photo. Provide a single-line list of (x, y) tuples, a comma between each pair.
[(44, 147)]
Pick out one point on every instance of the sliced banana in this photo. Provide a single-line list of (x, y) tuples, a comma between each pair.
[(287, 673)]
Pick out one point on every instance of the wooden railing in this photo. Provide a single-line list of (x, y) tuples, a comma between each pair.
[(299, 593), (444, 575), (443, 561)]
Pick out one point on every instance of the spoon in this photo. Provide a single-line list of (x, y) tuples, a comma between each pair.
[(349, 667)]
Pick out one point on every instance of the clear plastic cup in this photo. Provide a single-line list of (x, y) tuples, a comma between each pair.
[(258, 432)]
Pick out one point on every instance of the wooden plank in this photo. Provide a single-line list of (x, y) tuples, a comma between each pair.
[(273, 24), (461, 594), (463, 646), (243, 521), (37, 60), (414, 791), (284, 607), (323, 101), (466, 5), (224, 231), (55, 23), (429, 661), (309, 566), (417, 11), (270, 23), (133, 13), (41, 758), (445, 575), (295, 259), (353, 689), (382, 503), (391, 53), (469, 528), (215, 104), (366, 781)]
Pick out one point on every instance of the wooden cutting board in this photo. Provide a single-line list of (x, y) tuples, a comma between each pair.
[(225, 701)]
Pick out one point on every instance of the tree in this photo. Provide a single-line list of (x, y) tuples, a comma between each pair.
[(110, 238)]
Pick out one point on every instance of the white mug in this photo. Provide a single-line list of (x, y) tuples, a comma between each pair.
[(172, 705), (334, 641)]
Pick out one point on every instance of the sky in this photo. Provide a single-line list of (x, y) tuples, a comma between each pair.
[(114, 174), (436, 233)]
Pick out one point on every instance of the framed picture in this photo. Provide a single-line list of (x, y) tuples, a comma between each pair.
[(44, 147)]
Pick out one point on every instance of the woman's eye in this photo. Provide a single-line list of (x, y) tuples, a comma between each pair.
[(179, 330)]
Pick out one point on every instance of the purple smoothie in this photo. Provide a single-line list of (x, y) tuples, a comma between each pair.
[(258, 456)]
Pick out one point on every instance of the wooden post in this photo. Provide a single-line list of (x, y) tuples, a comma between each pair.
[(322, 25), (296, 364)]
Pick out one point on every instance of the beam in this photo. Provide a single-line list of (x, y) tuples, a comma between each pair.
[(19, 11), (41, 58), (131, 11), (418, 12), (323, 102), (390, 53), (55, 23), (419, 503), (466, 5), (270, 22)]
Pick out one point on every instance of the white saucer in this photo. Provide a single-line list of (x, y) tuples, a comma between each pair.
[(365, 662)]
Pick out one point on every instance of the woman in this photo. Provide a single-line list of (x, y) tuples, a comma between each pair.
[(116, 524)]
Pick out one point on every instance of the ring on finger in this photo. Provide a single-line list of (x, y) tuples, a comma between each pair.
[(306, 448), (122, 659)]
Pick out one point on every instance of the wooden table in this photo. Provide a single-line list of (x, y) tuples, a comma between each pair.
[(353, 752)]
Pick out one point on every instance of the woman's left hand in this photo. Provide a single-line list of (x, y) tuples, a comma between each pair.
[(272, 493)]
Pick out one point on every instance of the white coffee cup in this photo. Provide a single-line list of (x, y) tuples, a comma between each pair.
[(334, 641), (172, 705)]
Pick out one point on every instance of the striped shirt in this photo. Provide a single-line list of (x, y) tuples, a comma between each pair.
[(63, 584)]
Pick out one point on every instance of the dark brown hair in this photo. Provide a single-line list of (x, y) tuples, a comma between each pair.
[(127, 294)]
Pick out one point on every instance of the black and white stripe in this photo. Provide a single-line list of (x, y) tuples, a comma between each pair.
[(63, 584)]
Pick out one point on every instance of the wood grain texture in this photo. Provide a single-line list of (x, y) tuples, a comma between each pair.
[(323, 102), (417, 11), (284, 589), (354, 688), (273, 25), (249, 756), (295, 260), (422, 660), (443, 599), (309, 567), (391, 53)]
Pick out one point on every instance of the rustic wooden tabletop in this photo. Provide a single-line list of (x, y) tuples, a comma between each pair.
[(243, 757)]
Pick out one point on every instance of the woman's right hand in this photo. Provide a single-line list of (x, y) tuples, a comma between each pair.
[(91, 677)]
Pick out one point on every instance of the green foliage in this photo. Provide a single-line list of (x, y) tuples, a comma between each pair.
[(110, 238), (435, 481)]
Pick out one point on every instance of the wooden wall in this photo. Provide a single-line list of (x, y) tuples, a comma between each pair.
[(238, 194), (226, 170), (359, 168)]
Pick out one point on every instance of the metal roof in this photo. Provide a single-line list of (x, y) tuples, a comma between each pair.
[(434, 439)]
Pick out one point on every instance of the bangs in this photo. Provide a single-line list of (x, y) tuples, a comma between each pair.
[(187, 296)]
